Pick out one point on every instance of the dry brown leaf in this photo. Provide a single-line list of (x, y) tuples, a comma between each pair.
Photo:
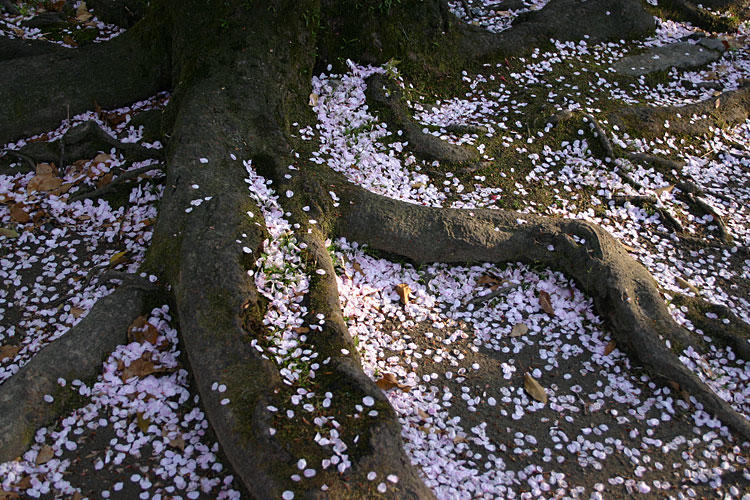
[(46, 454), (459, 439), (518, 330), (358, 268), (389, 381), (77, 312), (422, 414), (46, 182), (19, 214), (142, 331), (610, 347), (24, 484), (302, 330), (9, 351), (674, 385), (77, 496), (102, 158), (57, 5), (314, 99), (534, 389), (403, 291), (46, 169), (139, 368), (178, 442), (69, 40), (545, 302), (82, 13), (665, 189), (104, 180), (489, 280), (685, 284)]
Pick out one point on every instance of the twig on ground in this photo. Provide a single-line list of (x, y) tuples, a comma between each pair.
[(127, 175)]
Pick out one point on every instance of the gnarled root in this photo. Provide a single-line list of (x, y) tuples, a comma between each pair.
[(624, 292)]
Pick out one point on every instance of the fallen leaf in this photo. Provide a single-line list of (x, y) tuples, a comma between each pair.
[(142, 422), (389, 381), (117, 258), (518, 330), (610, 347), (8, 233), (358, 268), (57, 5), (544, 301), (46, 182), (177, 442), (82, 13), (142, 331), (422, 414), (19, 214), (489, 280), (46, 169), (102, 158), (46, 454), (302, 330), (685, 284), (77, 496), (104, 180), (665, 189), (534, 389), (9, 351), (674, 385), (139, 368), (418, 185), (77, 312), (459, 439), (69, 40), (403, 291), (24, 484), (314, 99)]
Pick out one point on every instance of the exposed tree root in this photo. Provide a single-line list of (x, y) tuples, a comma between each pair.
[(727, 109), (16, 48), (83, 141), (381, 91), (640, 200), (688, 11), (624, 292), (735, 333), (77, 355), (43, 90)]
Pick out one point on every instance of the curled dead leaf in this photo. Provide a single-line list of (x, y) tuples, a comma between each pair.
[(314, 99), (534, 389), (82, 13), (102, 158), (302, 330), (403, 291), (422, 414), (518, 330), (104, 180), (77, 312), (546, 303), (177, 442), (358, 268)]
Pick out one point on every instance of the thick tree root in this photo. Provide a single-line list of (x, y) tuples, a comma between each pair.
[(43, 90), (690, 12), (725, 110), (624, 292), (381, 91), (83, 141), (16, 48), (76, 355), (670, 219), (736, 333)]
